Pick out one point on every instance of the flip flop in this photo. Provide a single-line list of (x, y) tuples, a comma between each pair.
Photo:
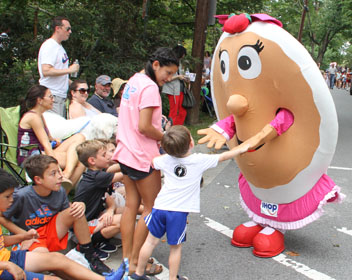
[(154, 269), (67, 184), (137, 277), (182, 277)]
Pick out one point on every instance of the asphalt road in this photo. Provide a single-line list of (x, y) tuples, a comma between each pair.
[(321, 250)]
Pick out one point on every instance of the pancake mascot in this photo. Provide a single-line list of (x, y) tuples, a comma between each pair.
[(269, 93)]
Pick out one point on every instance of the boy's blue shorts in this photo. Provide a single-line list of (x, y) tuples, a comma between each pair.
[(172, 222), (19, 258)]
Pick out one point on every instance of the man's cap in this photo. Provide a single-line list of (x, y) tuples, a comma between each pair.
[(103, 79), (117, 83)]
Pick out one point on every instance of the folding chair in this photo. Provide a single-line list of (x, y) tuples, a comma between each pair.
[(9, 118), (208, 102)]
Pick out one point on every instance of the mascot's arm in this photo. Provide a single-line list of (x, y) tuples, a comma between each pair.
[(282, 122), (218, 133)]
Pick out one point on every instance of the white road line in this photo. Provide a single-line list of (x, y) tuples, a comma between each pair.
[(345, 230), (340, 168), (282, 259)]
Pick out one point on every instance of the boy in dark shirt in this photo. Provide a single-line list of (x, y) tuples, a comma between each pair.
[(45, 208), (94, 189), (21, 264)]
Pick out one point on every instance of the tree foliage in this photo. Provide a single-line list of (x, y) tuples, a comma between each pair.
[(116, 37)]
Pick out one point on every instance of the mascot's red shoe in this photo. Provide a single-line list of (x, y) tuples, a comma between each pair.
[(243, 234), (268, 243)]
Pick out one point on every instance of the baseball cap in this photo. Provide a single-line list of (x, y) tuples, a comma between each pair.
[(117, 83), (103, 79)]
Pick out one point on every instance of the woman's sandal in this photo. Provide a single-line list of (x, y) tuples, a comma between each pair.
[(182, 277), (154, 269)]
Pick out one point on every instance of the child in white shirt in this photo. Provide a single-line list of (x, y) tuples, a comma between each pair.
[(179, 195)]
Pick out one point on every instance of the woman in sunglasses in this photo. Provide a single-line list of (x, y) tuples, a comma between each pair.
[(79, 107), (38, 100)]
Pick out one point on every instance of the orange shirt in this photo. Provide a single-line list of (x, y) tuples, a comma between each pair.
[(4, 253)]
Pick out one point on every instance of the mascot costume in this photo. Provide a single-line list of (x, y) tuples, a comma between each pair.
[(269, 93)]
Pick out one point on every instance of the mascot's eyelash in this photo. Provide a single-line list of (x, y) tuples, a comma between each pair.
[(258, 46), (220, 51)]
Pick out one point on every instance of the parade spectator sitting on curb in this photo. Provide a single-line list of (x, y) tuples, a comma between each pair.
[(22, 264), (179, 195), (100, 99), (38, 100), (117, 86), (79, 107), (94, 189), (44, 207), (119, 190)]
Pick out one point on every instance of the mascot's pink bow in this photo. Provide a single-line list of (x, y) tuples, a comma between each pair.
[(238, 23)]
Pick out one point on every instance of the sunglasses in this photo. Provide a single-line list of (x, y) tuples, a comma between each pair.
[(83, 90), (67, 28)]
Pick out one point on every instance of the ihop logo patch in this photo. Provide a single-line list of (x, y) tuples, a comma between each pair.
[(269, 209)]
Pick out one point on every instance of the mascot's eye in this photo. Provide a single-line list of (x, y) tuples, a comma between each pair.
[(224, 65), (249, 63)]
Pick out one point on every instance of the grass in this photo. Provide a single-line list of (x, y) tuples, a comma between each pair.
[(204, 122)]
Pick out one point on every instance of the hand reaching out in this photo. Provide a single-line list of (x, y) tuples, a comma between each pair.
[(214, 138)]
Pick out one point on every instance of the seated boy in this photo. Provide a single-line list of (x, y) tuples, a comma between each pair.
[(44, 207), (179, 195), (27, 265), (93, 190)]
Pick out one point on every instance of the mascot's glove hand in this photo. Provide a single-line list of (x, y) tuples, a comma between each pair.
[(214, 138)]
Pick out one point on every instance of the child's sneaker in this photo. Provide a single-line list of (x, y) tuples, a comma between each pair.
[(106, 247), (103, 256), (95, 263)]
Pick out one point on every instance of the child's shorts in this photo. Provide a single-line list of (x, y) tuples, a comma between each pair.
[(19, 258), (172, 222), (48, 237), (134, 174)]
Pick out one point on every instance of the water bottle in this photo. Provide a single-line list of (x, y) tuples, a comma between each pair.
[(187, 72), (74, 75), (24, 142)]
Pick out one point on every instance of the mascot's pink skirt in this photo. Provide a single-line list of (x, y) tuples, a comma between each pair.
[(296, 214)]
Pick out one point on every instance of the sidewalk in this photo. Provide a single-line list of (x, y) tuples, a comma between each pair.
[(115, 259)]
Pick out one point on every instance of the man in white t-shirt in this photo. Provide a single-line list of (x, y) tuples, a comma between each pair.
[(53, 64), (179, 195)]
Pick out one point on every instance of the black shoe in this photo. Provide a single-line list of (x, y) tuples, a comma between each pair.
[(106, 247), (118, 242), (96, 264), (103, 256)]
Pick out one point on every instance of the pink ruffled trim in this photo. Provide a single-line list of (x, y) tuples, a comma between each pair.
[(334, 195)]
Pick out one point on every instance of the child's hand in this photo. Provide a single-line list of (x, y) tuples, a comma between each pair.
[(25, 245), (77, 209), (15, 271), (243, 148), (107, 218), (32, 233)]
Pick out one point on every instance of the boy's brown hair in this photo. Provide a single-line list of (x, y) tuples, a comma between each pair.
[(108, 141), (176, 141), (37, 164), (89, 149)]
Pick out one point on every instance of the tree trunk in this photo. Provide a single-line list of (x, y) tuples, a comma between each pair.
[(199, 36), (323, 47)]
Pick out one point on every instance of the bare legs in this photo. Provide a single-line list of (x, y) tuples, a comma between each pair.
[(66, 154), (134, 237), (60, 265)]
